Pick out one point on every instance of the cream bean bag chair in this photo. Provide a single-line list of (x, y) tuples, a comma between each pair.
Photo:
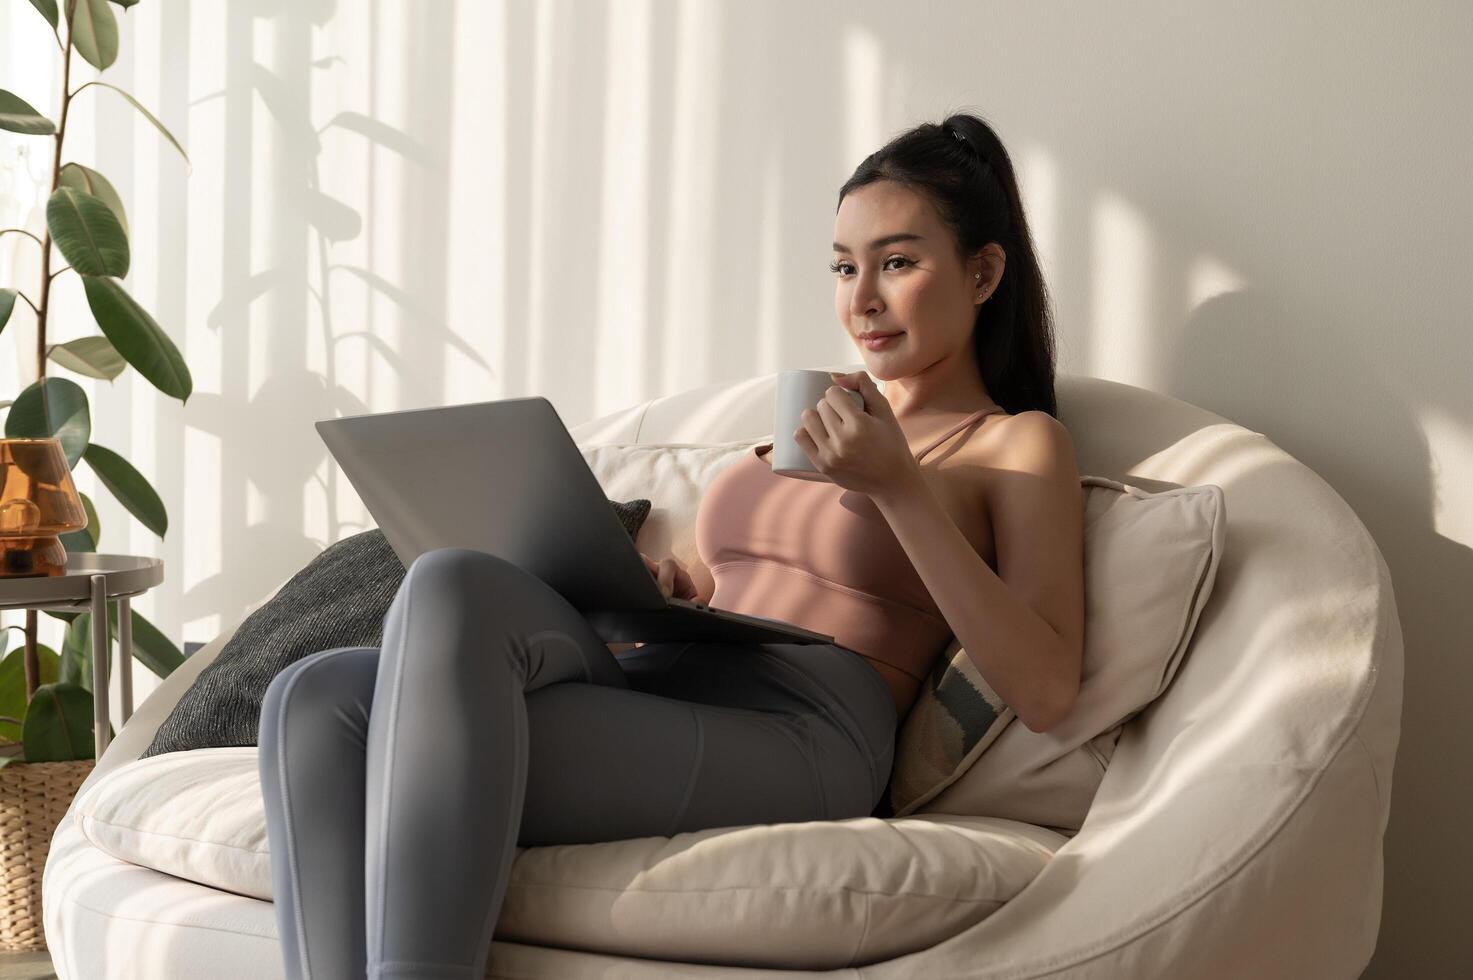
[(1235, 830)]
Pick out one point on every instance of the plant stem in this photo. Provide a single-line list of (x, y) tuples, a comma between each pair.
[(33, 666), (66, 101), (20, 231)]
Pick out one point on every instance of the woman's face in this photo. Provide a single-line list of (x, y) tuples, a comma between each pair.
[(915, 286)]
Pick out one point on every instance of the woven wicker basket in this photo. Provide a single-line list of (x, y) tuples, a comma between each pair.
[(34, 796)]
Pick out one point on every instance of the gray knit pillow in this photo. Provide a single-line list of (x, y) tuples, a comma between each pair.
[(338, 600)]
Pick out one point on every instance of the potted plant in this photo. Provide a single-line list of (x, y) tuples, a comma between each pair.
[(46, 710)]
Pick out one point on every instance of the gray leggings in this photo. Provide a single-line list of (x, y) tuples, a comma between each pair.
[(398, 779)]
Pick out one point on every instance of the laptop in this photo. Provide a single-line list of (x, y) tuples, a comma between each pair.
[(506, 477)]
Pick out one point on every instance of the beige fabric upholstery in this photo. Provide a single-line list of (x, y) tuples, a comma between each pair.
[(1237, 831), (822, 894)]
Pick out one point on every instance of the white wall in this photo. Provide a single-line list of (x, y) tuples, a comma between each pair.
[(1259, 207)]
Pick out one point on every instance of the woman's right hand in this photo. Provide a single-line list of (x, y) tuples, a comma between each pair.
[(672, 576)]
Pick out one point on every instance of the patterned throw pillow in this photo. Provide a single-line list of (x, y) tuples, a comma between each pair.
[(955, 717), (338, 599), (1150, 560)]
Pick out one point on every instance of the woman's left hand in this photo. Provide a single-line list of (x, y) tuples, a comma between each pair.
[(864, 451)]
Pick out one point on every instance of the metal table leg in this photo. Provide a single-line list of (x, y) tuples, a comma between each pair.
[(100, 651), (125, 655)]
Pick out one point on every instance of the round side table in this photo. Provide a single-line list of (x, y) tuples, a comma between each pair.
[(89, 583)]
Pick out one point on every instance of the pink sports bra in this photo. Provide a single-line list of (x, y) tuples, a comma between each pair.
[(822, 557)]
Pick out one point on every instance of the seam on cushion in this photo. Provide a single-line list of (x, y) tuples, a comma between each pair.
[(639, 426), (1371, 763), (1098, 756), (174, 923), (255, 935), (87, 818), (1249, 851), (1190, 615), (755, 888), (869, 906)]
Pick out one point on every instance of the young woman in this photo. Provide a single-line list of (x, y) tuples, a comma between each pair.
[(398, 779)]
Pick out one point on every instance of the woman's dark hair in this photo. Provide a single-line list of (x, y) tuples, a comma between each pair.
[(961, 167)]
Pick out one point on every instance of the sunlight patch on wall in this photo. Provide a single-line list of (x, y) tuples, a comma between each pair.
[(32, 64), (861, 97), (768, 323), (477, 217), (140, 444), (1209, 277), (328, 518), (209, 310), (1122, 326), (622, 261), (522, 378), (1039, 186), (390, 104), (202, 522), (688, 306), (266, 181), (1450, 460), (256, 510)]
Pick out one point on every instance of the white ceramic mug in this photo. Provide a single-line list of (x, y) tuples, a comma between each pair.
[(798, 390)]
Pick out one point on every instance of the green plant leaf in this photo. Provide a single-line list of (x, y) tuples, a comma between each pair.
[(94, 31), (125, 4), (87, 232), (84, 540), (17, 116), (13, 684), (138, 337), (52, 407), (89, 181), (7, 303), (58, 724), (150, 646), (75, 662), (150, 116), (48, 10), (129, 486), (95, 357)]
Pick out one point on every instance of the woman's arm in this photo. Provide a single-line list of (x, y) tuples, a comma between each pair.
[(1023, 625)]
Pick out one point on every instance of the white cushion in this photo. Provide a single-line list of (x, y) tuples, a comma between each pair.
[(814, 895), (673, 477)]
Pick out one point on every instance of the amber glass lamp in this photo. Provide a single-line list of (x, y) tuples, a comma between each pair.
[(38, 501)]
